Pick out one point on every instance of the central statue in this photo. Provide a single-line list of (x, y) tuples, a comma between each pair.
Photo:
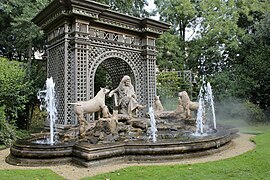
[(125, 98)]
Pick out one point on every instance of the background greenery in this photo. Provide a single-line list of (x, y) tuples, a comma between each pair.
[(229, 46)]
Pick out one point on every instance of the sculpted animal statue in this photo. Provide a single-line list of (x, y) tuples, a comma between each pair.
[(157, 105), (96, 104), (188, 105)]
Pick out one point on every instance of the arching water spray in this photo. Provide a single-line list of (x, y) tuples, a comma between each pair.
[(206, 108), (153, 124), (200, 114), (50, 105), (211, 101)]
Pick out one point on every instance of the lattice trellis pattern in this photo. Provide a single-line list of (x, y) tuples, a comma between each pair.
[(83, 60), (116, 69), (132, 59), (151, 74), (70, 85), (82, 36), (81, 76), (56, 69)]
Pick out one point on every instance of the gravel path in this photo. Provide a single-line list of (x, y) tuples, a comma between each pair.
[(239, 146)]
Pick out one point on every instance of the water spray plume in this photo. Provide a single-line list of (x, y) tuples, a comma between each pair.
[(206, 107), (47, 98), (153, 124)]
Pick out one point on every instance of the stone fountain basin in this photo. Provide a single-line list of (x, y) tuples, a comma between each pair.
[(89, 155), (85, 154), (28, 153)]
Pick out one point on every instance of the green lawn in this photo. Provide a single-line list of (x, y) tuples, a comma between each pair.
[(244, 127), (40, 174), (251, 165)]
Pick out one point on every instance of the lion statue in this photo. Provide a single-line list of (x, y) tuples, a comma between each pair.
[(187, 105), (157, 105)]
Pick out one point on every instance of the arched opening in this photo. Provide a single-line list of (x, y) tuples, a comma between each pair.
[(109, 74)]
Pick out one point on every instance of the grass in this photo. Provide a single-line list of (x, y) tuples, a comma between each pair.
[(238, 123), (255, 129), (251, 165), (29, 174), (244, 127)]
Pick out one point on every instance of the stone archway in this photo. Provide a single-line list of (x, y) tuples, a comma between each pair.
[(113, 75), (117, 65), (109, 73), (83, 34)]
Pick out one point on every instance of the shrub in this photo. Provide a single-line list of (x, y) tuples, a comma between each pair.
[(254, 113), (15, 88), (7, 130), (233, 108)]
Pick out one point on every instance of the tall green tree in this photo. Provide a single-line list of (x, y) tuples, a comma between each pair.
[(253, 67), (130, 7), (236, 71), (219, 27), (170, 54), (180, 13), (218, 35), (15, 89), (19, 36)]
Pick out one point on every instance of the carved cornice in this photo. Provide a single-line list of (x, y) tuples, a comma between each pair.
[(83, 12), (92, 11)]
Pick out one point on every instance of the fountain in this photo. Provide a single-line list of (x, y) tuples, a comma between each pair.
[(50, 106), (205, 110), (82, 37), (42, 148), (122, 137), (153, 125)]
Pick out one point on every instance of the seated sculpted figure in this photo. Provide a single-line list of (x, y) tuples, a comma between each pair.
[(125, 97)]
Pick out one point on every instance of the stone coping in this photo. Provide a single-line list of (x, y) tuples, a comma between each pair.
[(85, 154)]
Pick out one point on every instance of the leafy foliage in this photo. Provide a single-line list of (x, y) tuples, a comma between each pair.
[(20, 36), (168, 83), (248, 77), (130, 7), (234, 108), (170, 55), (14, 89), (7, 130), (15, 92), (254, 113), (254, 65), (180, 13)]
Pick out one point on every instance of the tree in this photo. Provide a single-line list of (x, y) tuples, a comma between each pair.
[(180, 13), (18, 41), (21, 36), (130, 7), (15, 89), (7, 130), (170, 55), (219, 27), (247, 80), (254, 64)]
